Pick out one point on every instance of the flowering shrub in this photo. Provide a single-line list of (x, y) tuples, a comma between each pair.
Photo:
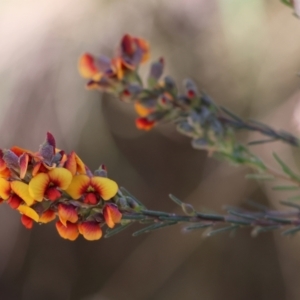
[(51, 185)]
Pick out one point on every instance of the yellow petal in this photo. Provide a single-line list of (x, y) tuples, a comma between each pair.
[(106, 188), (60, 177), (78, 186), (22, 190), (29, 212), (38, 186), (4, 189)]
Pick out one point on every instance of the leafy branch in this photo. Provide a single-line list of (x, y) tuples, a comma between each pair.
[(258, 221)]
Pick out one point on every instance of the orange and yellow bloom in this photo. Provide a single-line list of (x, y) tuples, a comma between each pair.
[(92, 189)]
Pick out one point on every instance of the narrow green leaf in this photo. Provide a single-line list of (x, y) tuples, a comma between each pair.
[(223, 229), (279, 220), (111, 232), (291, 231), (242, 215), (285, 168), (290, 204), (259, 229), (176, 200), (175, 218), (285, 188), (258, 142), (198, 226), (133, 217), (210, 217), (131, 196), (153, 227), (259, 176), (155, 213)]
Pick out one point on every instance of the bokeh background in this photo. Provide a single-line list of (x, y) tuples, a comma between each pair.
[(245, 54)]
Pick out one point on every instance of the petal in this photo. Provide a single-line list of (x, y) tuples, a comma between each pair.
[(60, 177), (86, 66), (4, 189), (38, 168), (91, 231), (141, 110), (29, 212), (111, 215), (127, 45), (106, 188), (68, 232), (144, 45), (71, 163), (47, 216), (52, 193), (74, 164), (14, 201), (117, 67), (23, 162), (38, 186), (67, 213), (19, 151), (78, 186), (2, 165), (26, 221), (80, 165), (90, 198), (22, 190), (144, 123)]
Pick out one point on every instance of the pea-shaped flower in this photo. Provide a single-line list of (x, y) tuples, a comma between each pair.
[(91, 189)]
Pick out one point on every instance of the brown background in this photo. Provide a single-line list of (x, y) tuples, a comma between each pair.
[(245, 54)]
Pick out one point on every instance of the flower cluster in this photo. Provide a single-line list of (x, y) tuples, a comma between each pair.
[(105, 73), (51, 184), (194, 113)]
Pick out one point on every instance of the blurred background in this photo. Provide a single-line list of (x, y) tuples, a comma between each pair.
[(245, 54)]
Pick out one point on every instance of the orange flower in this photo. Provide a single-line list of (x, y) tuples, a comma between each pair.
[(141, 110), (87, 66), (100, 67), (74, 164), (47, 216), (91, 188), (111, 215), (26, 221), (91, 231), (133, 51), (67, 213), (144, 123), (68, 232), (49, 184)]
